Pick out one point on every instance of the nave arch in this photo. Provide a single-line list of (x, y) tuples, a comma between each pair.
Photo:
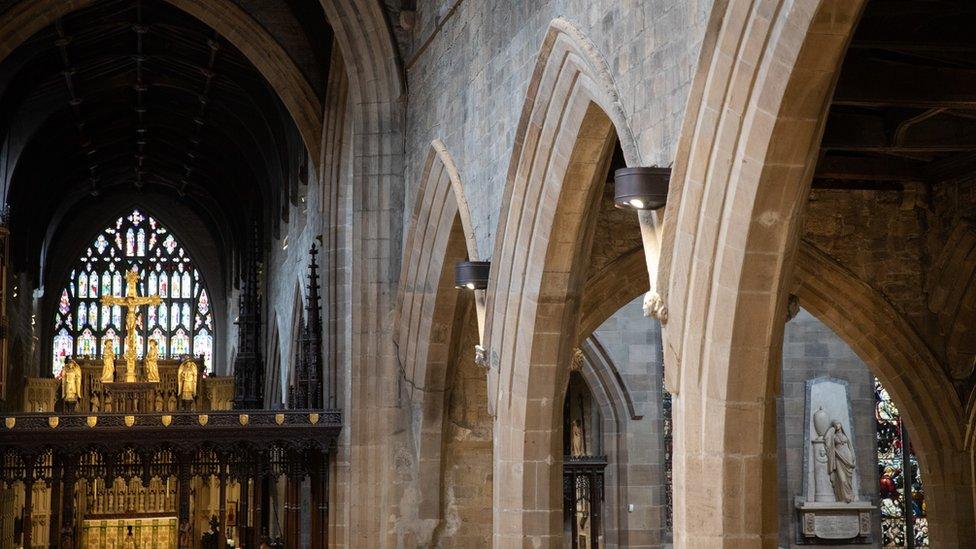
[(739, 187), (427, 321), (570, 122), (911, 373)]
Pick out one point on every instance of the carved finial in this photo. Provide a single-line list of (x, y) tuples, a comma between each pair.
[(577, 361), (481, 357), (792, 307), (654, 306)]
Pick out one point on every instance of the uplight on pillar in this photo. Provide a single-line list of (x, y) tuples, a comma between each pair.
[(641, 188), (471, 275)]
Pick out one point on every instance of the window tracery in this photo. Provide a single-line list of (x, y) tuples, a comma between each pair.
[(182, 324)]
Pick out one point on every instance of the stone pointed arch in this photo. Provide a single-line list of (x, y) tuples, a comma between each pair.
[(20, 21), (440, 235), (740, 179), (885, 340), (740, 182), (569, 123)]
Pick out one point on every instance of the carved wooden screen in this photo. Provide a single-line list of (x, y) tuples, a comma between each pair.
[(182, 325)]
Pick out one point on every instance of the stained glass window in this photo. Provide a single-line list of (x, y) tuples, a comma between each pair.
[(183, 324), (904, 522)]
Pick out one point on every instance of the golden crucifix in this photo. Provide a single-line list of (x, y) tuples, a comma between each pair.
[(132, 301)]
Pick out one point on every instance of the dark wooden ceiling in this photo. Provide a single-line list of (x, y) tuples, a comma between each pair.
[(137, 96), (905, 105)]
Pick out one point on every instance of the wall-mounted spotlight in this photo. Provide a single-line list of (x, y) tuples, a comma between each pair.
[(641, 188), (471, 275)]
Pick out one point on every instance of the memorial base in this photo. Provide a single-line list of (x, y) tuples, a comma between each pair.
[(833, 522)]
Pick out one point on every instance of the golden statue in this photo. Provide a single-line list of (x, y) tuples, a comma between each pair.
[(131, 302), (186, 380), (152, 362), (108, 361), (71, 381)]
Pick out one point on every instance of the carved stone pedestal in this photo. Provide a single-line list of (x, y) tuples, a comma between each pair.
[(823, 522)]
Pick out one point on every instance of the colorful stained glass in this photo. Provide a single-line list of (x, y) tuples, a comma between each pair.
[(187, 287), (86, 343), (130, 242), (203, 345), (141, 242), (181, 343), (64, 305), (175, 287), (101, 243), (82, 315), (169, 243), (899, 510), (82, 285), (203, 306), (63, 343), (186, 312)]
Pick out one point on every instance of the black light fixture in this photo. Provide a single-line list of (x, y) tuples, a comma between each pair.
[(641, 188), (471, 275)]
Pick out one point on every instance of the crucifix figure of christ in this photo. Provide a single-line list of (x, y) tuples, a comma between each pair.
[(132, 301)]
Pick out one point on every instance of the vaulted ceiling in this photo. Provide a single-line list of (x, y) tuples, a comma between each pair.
[(137, 98)]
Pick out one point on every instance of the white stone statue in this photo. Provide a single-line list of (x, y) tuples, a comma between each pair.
[(840, 462), (576, 439)]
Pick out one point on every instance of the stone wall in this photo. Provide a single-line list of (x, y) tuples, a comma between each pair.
[(811, 350), (468, 66), (634, 442)]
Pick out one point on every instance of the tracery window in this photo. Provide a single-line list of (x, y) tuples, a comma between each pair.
[(182, 324), (903, 517)]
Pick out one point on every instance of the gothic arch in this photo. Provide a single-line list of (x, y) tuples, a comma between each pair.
[(740, 181), (566, 133), (888, 343), (440, 235), (27, 17)]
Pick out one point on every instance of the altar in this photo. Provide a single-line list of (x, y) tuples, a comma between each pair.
[(147, 532)]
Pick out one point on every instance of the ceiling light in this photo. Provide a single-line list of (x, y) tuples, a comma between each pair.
[(471, 275), (644, 188)]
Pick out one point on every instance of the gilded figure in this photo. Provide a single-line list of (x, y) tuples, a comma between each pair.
[(152, 362), (71, 381), (186, 378), (108, 361)]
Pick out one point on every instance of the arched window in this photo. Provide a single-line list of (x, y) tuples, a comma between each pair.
[(903, 517), (181, 325)]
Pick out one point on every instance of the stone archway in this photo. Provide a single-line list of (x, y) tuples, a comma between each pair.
[(739, 184), (898, 356), (569, 123), (427, 307)]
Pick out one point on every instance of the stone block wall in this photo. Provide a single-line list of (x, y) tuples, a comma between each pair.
[(468, 64), (635, 449), (811, 350)]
